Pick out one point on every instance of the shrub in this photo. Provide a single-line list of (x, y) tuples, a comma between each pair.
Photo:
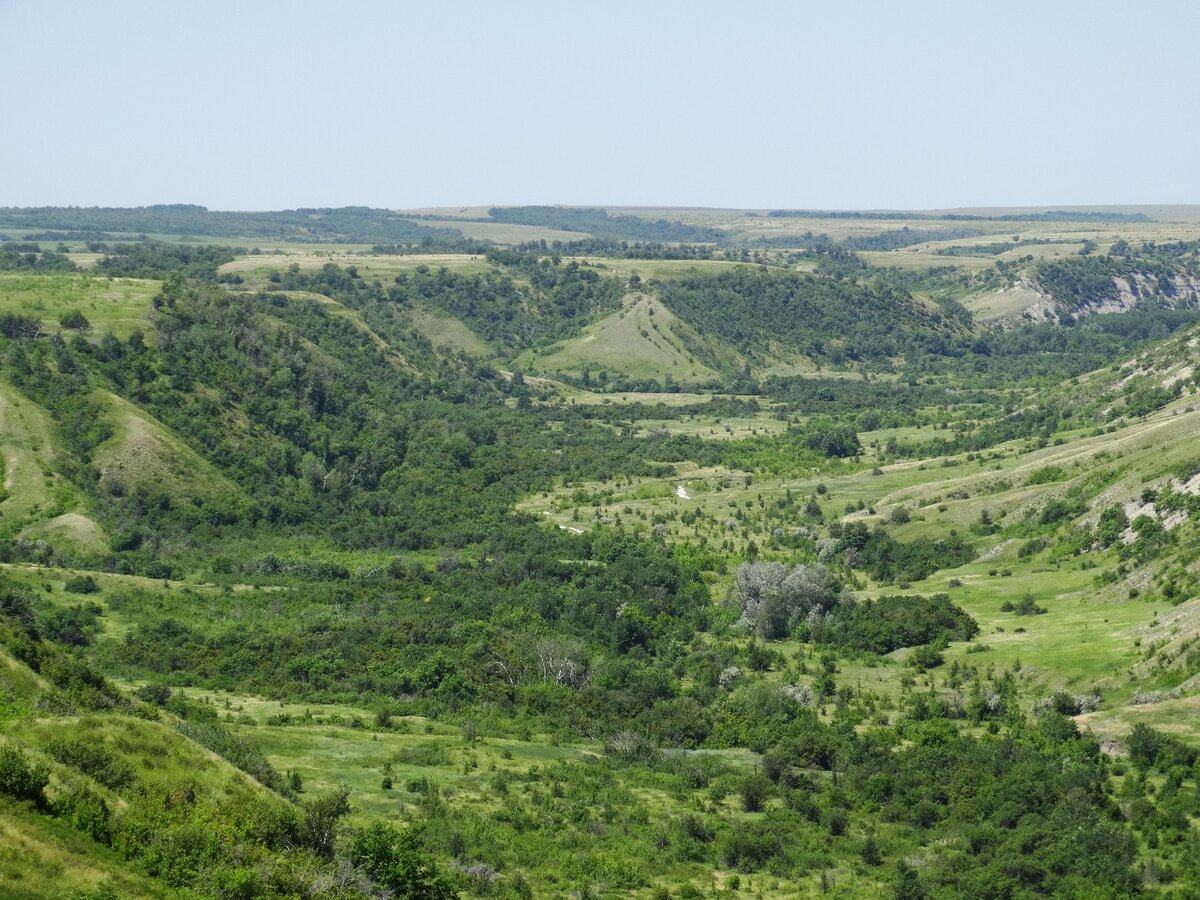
[(81, 584), (93, 759), (394, 860), (925, 657), (889, 623), (19, 777), (1026, 606), (755, 790), (157, 694), (87, 812)]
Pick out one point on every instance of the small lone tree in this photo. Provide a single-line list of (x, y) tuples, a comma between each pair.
[(75, 321)]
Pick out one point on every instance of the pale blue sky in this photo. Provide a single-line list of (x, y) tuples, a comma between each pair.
[(254, 105)]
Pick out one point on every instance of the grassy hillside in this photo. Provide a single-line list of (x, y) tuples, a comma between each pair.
[(38, 501), (143, 455), (116, 305), (643, 341)]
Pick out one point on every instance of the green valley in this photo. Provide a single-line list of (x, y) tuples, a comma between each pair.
[(579, 552)]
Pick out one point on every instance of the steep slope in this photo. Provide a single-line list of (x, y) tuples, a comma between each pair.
[(354, 318), (143, 454), (37, 501)]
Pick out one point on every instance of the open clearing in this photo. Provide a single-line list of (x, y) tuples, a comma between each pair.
[(257, 268), (119, 305), (143, 452), (447, 331), (639, 341)]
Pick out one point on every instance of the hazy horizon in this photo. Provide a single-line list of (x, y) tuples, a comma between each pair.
[(799, 106)]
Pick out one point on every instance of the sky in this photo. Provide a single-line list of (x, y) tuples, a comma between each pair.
[(257, 104)]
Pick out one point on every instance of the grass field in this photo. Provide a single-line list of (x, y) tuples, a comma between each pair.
[(648, 269), (329, 745), (998, 304), (715, 428), (505, 232), (118, 305), (256, 269)]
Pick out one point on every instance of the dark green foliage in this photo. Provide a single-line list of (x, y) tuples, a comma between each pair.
[(75, 625), (19, 328), (394, 859), (75, 321), (154, 260), (87, 812), (755, 790), (551, 302), (891, 622), (81, 584), (94, 760), (157, 694), (28, 257), (20, 778), (205, 730), (925, 657), (1026, 606), (602, 224), (888, 559), (319, 820), (820, 318), (350, 224), (1153, 749)]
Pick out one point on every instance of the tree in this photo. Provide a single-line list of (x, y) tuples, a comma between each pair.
[(908, 883), (870, 852), (1143, 745), (75, 321), (775, 597), (320, 818), (19, 777), (394, 860), (755, 790)]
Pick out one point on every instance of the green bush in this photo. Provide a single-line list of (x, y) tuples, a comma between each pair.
[(87, 812), (81, 584), (93, 759), (19, 778)]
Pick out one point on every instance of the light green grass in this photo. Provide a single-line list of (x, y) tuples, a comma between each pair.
[(714, 428), (256, 269), (640, 341), (119, 305), (42, 857), (505, 232), (446, 331), (142, 451), (662, 269), (38, 502)]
